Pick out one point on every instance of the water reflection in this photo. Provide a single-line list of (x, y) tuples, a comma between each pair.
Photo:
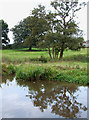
[(61, 98)]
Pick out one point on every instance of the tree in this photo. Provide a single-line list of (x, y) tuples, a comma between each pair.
[(51, 39), (22, 32), (62, 33), (30, 40), (65, 24), (41, 26), (44, 27), (32, 29), (4, 33), (19, 33), (37, 26), (52, 42)]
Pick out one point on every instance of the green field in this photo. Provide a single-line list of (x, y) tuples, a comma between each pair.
[(72, 68)]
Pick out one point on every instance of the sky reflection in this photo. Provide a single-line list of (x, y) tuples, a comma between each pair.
[(43, 99)]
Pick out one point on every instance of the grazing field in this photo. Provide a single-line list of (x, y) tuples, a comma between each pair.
[(29, 65)]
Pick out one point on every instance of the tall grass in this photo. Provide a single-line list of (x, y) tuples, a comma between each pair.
[(8, 69), (33, 72), (73, 76)]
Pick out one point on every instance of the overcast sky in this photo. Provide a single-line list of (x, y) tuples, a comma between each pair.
[(12, 11)]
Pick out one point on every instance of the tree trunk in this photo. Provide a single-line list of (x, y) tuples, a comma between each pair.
[(62, 47), (50, 53), (56, 53), (30, 48), (53, 52), (61, 53)]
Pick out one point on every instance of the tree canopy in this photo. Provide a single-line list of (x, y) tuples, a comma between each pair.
[(65, 24), (4, 39), (55, 30)]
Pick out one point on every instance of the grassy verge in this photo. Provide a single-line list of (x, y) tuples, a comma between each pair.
[(36, 72)]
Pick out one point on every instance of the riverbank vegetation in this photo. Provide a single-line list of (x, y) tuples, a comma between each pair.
[(27, 66)]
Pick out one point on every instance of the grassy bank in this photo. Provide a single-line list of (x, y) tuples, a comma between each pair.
[(35, 72), (29, 66)]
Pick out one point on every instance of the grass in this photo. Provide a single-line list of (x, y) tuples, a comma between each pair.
[(16, 57), (35, 72), (29, 66), (12, 55)]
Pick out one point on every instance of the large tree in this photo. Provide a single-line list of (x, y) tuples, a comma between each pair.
[(41, 25), (32, 29), (65, 24), (4, 39), (63, 31), (30, 40), (53, 40), (19, 33), (22, 32)]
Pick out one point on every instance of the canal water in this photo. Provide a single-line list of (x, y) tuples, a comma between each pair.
[(42, 99)]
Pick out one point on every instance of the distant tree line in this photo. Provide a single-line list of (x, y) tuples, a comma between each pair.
[(55, 31)]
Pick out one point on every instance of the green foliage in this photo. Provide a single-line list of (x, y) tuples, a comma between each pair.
[(18, 56), (31, 29), (22, 75), (73, 76), (11, 69), (81, 58), (55, 30), (4, 39), (64, 27), (71, 69), (41, 73), (33, 73), (4, 69), (19, 32), (8, 69)]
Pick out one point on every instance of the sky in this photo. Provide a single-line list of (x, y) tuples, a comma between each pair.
[(13, 11)]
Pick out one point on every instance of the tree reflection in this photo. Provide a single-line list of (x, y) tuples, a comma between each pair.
[(60, 97)]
